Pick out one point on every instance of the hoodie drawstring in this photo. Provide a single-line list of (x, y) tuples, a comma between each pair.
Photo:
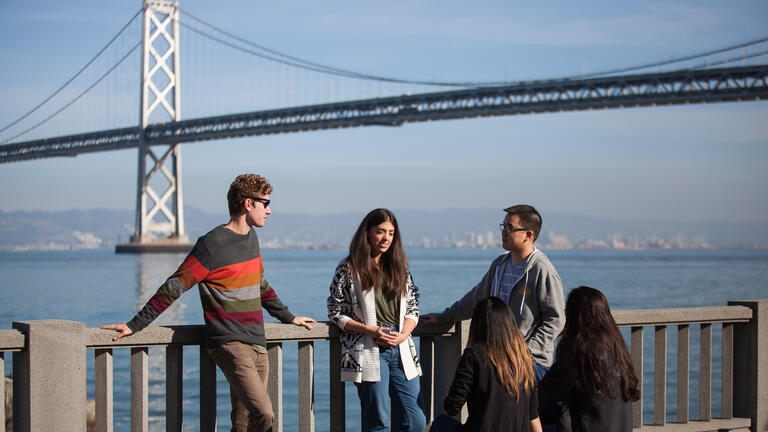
[(525, 290)]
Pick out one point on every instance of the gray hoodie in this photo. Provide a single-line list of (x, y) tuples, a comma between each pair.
[(536, 301)]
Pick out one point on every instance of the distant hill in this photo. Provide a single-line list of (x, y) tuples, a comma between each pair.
[(102, 229)]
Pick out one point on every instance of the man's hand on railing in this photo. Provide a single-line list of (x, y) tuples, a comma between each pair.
[(122, 328), (299, 321)]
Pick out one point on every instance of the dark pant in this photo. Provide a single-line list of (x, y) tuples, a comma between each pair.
[(547, 418), (445, 423)]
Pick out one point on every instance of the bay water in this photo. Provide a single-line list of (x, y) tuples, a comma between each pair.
[(100, 287)]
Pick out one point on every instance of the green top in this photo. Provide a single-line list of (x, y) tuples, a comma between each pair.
[(387, 310)]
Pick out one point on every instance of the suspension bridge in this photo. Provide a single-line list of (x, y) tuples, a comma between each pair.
[(719, 75)]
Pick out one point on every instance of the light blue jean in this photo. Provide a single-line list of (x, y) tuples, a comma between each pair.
[(539, 371), (392, 390)]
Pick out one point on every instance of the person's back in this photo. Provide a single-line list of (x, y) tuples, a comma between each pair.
[(490, 405), (494, 376), (586, 411), (592, 375)]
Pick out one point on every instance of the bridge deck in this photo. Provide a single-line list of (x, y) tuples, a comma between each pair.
[(747, 83)]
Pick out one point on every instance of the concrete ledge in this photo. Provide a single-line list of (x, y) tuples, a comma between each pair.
[(277, 332), (677, 316), (194, 335), (423, 329), (11, 340), (152, 335), (700, 426)]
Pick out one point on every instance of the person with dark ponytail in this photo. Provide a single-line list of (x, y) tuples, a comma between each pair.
[(592, 375), (494, 377), (376, 305)]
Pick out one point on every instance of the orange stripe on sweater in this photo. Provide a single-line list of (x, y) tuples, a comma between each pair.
[(237, 275), (240, 281)]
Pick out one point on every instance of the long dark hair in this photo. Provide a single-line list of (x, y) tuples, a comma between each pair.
[(494, 325), (592, 347), (392, 272)]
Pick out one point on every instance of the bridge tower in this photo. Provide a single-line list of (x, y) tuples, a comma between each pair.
[(159, 203)]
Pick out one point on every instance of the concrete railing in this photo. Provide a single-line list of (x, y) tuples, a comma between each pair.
[(741, 335), (49, 365)]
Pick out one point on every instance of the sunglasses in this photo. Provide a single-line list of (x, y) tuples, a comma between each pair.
[(261, 200)]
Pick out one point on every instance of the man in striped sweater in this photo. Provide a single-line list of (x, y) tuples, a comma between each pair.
[(226, 265)]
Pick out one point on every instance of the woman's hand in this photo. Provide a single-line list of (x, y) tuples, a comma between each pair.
[(389, 338), (377, 334)]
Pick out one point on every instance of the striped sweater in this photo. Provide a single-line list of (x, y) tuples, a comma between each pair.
[(230, 275)]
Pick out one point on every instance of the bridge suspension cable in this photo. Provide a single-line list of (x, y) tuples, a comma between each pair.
[(682, 59), (294, 61), (76, 98), (730, 60), (90, 62)]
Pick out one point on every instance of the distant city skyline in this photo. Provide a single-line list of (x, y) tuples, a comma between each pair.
[(682, 163), (465, 229)]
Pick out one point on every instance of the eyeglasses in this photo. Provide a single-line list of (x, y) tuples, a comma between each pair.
[(261, 200), (510, 229)]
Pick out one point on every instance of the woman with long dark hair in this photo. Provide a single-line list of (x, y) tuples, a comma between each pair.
[(375, 303), (592, 375), (495, 375)]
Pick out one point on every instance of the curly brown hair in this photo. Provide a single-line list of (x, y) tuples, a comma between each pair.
[(244, 186)]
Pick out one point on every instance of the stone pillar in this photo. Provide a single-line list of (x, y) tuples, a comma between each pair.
[(750, 365), (49, 377), (448, 352)]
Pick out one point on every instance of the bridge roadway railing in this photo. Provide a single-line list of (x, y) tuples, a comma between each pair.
[(49, 368), (669, 88)]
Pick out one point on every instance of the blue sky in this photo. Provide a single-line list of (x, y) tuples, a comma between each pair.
[(699, 162)]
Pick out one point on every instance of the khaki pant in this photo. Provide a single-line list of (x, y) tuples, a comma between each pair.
[(247, 371)]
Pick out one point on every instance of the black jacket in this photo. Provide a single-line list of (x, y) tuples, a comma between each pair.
[(491, 408), (582, 412)]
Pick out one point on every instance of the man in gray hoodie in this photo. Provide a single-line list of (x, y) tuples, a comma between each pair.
[(526, 280)]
